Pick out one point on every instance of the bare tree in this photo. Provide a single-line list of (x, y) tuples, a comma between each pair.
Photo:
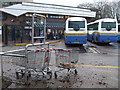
[(86, 5), (103, 9)]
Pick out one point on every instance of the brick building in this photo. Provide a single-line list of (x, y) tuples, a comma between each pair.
[(17, 20)]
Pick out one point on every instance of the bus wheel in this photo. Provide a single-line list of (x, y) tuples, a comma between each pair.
[(96, 39), (108, 43), (93, 40), (80, 44), (66, 44)]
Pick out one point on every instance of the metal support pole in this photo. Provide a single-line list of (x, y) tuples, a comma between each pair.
[(1, 68), (26, 60), (33, 28), (44, 29)]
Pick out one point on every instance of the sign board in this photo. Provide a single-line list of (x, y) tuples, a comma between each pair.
[(27, 27), (49, 30)]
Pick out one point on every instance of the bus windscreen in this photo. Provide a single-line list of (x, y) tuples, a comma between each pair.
[(76, 24), (108, 25)]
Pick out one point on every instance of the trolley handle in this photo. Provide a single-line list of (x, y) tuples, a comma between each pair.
[(49, 50), (44, 49), (62, 49), (38, 50)]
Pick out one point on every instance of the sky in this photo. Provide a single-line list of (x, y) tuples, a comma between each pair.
[(74, 3)]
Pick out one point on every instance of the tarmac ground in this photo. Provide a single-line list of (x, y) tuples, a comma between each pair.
[(97, 67)]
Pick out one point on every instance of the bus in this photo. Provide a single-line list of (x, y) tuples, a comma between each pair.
[(76, 31), (118, 33), (103, 31)]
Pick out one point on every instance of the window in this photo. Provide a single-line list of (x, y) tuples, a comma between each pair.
[(76, 24), (5, 3), (106, 24), (90, 27), (3, 17), (93, 27)]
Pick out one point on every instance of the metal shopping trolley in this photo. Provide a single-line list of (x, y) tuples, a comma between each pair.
[(66, 59), (37, 64)]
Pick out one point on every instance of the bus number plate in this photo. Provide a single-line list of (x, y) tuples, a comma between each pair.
[(108, 40), (76, 42)]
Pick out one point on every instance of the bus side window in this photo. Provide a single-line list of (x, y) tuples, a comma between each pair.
[(95, 26), (90, 27)]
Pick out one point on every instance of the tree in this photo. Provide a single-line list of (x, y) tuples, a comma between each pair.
[(103, 9)]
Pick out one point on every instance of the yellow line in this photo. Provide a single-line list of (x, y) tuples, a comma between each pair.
[(55, 41), (23, 44), (99, 66), (76, 65), (92, 66)]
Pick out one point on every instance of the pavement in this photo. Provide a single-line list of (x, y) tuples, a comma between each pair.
[(97, 68)]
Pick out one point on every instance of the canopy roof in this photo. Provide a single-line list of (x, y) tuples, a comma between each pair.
[(23, 8)]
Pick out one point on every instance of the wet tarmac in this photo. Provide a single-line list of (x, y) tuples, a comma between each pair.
[(97, 68)]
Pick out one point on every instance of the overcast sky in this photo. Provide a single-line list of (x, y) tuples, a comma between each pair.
[(74, 3)]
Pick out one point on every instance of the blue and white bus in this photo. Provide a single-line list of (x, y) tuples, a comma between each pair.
[(118, 32), (76, 31), (103, 31)]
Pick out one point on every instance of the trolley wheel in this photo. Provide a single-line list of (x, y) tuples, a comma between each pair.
[(67, 77), (22, 73), (76, 72), (50, 75), (55, 75), (29, 74), (44, 78), (27, 83), (68, 69), (17, 75)]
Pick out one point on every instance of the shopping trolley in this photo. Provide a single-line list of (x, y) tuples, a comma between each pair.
[(37, 64), (66, 59)]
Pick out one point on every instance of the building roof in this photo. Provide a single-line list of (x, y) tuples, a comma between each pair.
[(23, 8)]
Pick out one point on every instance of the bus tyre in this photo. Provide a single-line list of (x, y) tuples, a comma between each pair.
[(93, 40), (96, 39), (66, 44), (81, 44)]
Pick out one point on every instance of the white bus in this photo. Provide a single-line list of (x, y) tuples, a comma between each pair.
[(76, 31), (103, 30)]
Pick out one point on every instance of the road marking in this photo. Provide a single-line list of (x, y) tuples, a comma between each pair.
[(75, 65), (23, 44), (99, 66), (90, 65), (113, 53), (55, 41)]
